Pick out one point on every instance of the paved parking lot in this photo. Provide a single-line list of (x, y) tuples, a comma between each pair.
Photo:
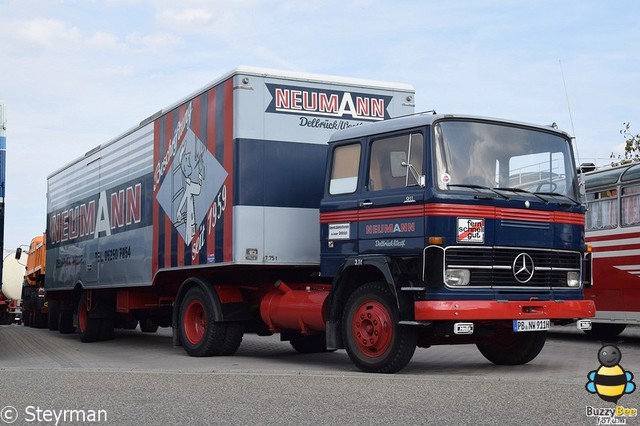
[(141, 379)]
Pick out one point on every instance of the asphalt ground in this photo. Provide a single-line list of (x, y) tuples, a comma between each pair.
[(140, 379)]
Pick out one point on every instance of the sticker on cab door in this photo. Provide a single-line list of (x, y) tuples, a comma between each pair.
[(470, 230)]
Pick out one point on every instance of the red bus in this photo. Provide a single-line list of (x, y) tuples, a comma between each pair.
[(613, 231)]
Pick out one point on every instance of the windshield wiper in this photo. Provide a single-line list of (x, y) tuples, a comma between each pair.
[(557, 194), (522, 191), (478, 187)]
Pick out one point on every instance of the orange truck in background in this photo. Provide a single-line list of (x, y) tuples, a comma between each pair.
[(34, 306)]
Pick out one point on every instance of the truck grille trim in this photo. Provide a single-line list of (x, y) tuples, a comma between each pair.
[(494, 266)]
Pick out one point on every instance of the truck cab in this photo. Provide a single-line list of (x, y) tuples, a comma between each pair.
[(470, 227)]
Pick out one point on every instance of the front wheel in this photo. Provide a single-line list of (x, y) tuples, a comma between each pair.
[(373, 339), (602, 331), (511, 348)]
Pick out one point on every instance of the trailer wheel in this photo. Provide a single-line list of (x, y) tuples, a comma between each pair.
[(510, 348), (309, 344), (52, 317), (603, 331), (26, 317), (373, 339), (38, 319), (65, 321), (107, 326), (201, 336), (232, 338), (128, 324), (6, 318), (89, 328)]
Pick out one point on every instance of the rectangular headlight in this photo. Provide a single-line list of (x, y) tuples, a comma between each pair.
[(573, 279), (457, 277)]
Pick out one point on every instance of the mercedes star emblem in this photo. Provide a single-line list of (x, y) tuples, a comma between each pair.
[(523, 268)]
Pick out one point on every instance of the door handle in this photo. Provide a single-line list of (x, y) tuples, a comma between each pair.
[(366, 203)]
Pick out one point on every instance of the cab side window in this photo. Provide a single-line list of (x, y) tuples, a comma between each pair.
[(396, 162), (344, 169)]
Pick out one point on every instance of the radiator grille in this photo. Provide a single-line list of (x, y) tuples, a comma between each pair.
[(494, 266)]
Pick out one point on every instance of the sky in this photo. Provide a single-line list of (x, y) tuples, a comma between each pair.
[(77, 73)]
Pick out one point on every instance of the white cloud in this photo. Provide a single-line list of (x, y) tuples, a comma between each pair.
[(155, 42), (103, 40), (185, 19), (44, 32)]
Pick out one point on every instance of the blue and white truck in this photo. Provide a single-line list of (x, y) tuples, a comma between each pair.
[(228, 213)]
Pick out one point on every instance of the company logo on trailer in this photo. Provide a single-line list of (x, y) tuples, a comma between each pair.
[(190, 179), (327, 103), (111, 211), (172, 148)]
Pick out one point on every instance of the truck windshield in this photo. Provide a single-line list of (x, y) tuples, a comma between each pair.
[(477, 156)]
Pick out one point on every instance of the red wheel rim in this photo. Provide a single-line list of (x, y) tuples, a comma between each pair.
[(195, 322), (372, 329), (82, 316)]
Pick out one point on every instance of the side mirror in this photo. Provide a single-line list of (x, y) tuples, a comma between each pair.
[(398, 161), (18, 253)]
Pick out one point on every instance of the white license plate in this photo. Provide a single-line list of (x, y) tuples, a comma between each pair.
[(531, 325)]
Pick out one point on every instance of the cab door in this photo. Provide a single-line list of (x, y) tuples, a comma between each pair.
[(338, 209), (391, 203)]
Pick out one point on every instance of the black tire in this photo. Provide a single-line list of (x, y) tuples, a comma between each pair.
[(88, 327), (232, 338), (511, 348), (5, 317), (310, 344), (38, 319), (199, 334), (602, 331), (373, 339), (128, 324), (54, 313), (26, 317), (107, 326), (148, 326), (65, 321)]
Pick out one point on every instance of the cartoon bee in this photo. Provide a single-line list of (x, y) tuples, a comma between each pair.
[(610, 381)]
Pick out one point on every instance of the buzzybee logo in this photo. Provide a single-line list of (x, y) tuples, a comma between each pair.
[(610, 382)]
